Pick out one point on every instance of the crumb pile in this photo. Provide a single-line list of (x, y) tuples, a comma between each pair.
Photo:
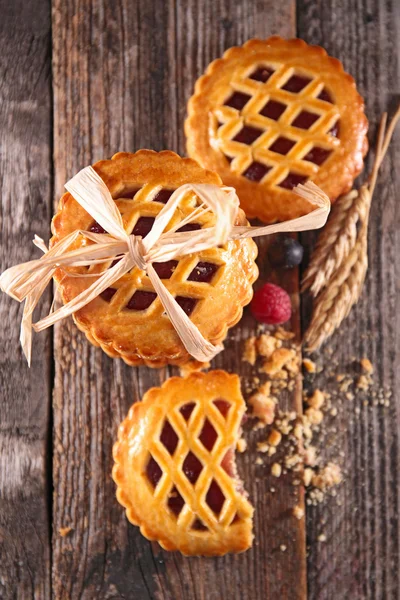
[(289, 444)]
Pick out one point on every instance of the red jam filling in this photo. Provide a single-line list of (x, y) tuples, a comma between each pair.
[(131, 192), (186, 410), (163, 196), (273, 110), (261, 74), (141, 300), (165, 269), (256, 171), (305, 120), (153, 472), (334, 130), (198, 525), (227, 463), (228, 158), (203, 272), (238, 100), (187, 304), (192, 467), (215, 497), (175, 501), (169, 438), (296, 83), (143, 226), (108, 294), (235, 519), (282, 145), (317, 155), (292, 180), (248, 135), (223, 406), (190, 227), (96, 228), (325, 96), (208, 435)]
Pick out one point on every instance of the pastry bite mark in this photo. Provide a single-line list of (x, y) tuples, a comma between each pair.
[(128, 320), (274, 106), (175, 466)]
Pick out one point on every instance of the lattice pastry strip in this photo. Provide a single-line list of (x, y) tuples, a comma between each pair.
[(275, 113), (175, 467)]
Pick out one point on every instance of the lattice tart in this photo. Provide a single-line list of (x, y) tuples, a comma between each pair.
[(175, 466), (275, 113), (128, 320)]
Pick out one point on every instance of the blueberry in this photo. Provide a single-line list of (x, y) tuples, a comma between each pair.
[(285, 252)]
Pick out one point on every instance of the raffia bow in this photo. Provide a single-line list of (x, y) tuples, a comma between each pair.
[(28, 281)]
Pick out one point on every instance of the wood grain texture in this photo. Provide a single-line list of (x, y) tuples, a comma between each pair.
[(122, 74), (25, 189), (360, 558)]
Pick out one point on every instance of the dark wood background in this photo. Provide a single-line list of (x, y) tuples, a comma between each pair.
[(80, 80)]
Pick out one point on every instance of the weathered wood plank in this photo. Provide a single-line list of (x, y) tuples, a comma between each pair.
[(123, 73), (25, 187), (360, 558)]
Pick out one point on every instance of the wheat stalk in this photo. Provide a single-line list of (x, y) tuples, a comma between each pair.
[(339, 263)]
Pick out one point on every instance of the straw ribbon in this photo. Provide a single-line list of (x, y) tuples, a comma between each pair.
[(27, 281)]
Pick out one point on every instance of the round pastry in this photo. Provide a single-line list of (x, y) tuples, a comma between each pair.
[(128, 320), (175, 465), (275, 113)]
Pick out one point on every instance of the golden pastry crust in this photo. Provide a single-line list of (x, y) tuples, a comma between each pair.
[(181, 493), (146, 336), (314, 129)]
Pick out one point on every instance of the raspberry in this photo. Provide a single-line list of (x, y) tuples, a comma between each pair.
[(271, 305)]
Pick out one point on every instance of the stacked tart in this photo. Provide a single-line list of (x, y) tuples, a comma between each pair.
[(128, 320)]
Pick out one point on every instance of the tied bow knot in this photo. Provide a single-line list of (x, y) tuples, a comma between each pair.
[(137, 251)]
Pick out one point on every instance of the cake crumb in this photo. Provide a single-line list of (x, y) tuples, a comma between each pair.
[(241, 445), (274, 438), (322, 537), (276, 470), (316, 400), (259, 460), (314, 416), (309, 365), (64, 531), (193, 366), (283, 334), (266, 344), (327, 477), (250, 351), (364, 382), (298, 512), (366, 365), (262, 447), (263, 405), (278, 360), (310, 456), (283, 548), (307, 476)]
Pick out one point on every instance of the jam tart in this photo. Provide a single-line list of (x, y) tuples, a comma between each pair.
[(275, 113), (175, 465), (128, 320)]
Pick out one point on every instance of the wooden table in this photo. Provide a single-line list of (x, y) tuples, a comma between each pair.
[(80, 80)]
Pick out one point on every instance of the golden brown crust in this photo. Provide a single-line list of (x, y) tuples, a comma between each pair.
[(210, 144), (138, 441), (148, 337)]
